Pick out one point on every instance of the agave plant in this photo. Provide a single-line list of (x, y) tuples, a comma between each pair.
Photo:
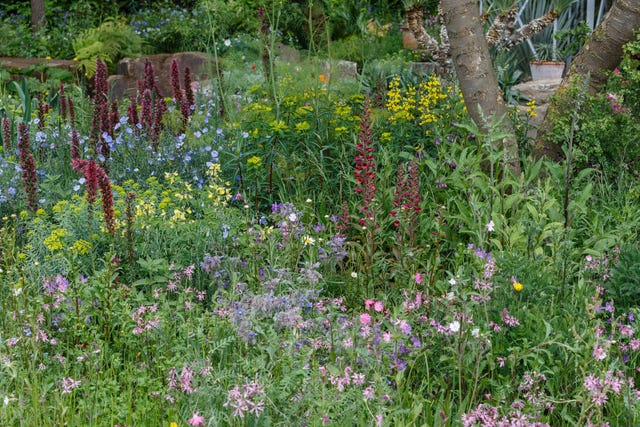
[(503, 33)]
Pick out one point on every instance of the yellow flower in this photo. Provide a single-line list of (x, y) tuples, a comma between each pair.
[(48, 58), (173, 424), (54, 241), (254, 161), (531, 108), (81, 247), (517, 286), (278, 126), (303, 126)]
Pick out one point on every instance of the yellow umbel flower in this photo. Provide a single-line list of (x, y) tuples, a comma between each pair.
[(254, 161), (54, 241), (81, 247)]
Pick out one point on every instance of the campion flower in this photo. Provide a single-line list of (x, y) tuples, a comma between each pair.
[(508, 319), (69, 384), (365, 318), (246, 398), (196, 419), (454, 326)]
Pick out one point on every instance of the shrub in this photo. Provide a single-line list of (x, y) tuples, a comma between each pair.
[(111, 41)]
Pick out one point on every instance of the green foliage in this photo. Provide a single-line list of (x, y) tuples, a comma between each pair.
[(572, 39), (239, 267), (364, 49), (606, 132), (623, 287), (111, 41)]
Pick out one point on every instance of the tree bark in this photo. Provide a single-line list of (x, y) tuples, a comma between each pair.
[(474, 69), (37, 15), (599, 56)]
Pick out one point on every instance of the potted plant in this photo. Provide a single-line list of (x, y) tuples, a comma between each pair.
[(566, 39), (546, 65)]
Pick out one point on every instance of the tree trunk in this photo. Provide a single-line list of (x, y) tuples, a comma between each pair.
[(475, 72), (599, 56), (37, 15)]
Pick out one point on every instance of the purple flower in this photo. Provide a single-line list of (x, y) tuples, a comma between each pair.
[(68, 384)]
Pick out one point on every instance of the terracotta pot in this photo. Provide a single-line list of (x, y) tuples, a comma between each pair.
[(545, 70)]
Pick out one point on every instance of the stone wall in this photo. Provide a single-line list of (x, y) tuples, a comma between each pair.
[(129, 70)]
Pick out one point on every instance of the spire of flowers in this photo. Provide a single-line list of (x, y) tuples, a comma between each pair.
[(96, 177), (406, 200), (62, 97), (75, 144), (6, 134), (174, 76), (28, 166), (365, 166)]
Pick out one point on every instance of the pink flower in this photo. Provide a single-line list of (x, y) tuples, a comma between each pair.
[(378, 306), (368, 304), (418, 278), (196, 419), (365, 319)]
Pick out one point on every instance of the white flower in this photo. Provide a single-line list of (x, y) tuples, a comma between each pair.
[(452, 281), (354, 274), (309, 200), (17, 291), (308, 240), (293, 217), (490, 226), (227, 42), (454, 326), (475, 332)]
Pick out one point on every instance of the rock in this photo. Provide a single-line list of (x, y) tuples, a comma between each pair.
[(287, 53), (38, 66), (130, 70), (538, 90), (424, 68), (340, 68), (534, 122)]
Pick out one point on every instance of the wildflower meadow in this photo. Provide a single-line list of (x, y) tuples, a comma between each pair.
[(285, 244)]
